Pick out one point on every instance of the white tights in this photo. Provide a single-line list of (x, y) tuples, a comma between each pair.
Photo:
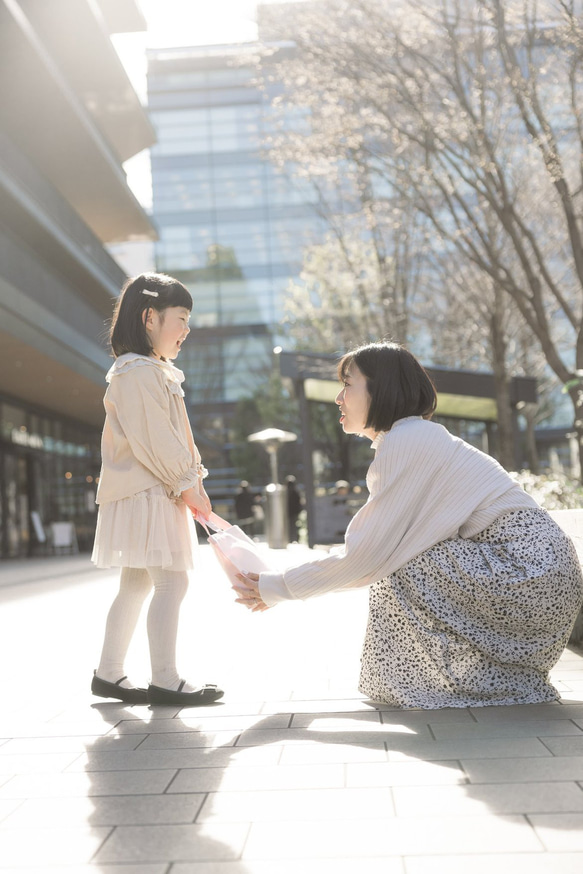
[(134, 586)]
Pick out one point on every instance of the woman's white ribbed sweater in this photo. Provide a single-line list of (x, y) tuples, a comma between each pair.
[(424, 486)]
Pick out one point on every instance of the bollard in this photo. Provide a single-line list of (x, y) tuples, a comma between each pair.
[(276, 522)]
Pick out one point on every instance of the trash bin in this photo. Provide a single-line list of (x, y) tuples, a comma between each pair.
[(276, 523)]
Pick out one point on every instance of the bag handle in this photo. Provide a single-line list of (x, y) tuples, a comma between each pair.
[(214, 522)]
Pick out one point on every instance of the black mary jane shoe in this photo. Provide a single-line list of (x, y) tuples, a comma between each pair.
[(207, 694), (105, 689)]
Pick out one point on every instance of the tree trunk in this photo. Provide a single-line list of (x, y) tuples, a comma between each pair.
[(505, 432), (532, 459), (576, 395)]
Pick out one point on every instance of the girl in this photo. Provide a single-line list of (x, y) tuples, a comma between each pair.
[(473, 588), (150, 485)]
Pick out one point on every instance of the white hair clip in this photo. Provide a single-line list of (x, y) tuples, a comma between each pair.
[(151, 293)]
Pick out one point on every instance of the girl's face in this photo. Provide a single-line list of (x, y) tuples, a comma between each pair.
[(167, 330), (354, 401)]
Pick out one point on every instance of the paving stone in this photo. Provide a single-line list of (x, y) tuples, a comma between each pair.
[(264, 777), (225, 707), (404, 773), (306, 720), (176, 842), (81, 785), (209, 723), (565, 667), (148, 759), (7, 807), (559, 832), (29, 745), (49, 846), (328, 729), (116, 712), (36, 763), (571, 697), (304, 753), (526, 712), (142, 868), (548, 728), (500, 863), (104, 712), (316, 706), (55, 729), (470, 799), (186, 740), (394, 836), (364, 738), (109, 810), (322, 691), (297, 804), (524, 770), (386, 865), (414, 718), (564, 746), (482, 748)]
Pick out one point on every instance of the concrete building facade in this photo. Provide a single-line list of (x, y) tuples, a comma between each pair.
[(69, 118)]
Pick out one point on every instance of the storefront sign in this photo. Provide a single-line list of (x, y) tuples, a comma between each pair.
[(24, 438)]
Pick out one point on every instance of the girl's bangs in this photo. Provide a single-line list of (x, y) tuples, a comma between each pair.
[(178, 296)]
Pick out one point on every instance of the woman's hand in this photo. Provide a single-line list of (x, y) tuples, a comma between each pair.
[(198, 502), (248, 593)]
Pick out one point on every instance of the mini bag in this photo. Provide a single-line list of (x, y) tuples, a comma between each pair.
[(235, 551)]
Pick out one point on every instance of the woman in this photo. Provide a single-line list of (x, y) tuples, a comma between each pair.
[(474, 588)]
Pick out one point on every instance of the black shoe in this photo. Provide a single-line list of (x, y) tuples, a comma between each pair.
[(105, 689), (207, 694)]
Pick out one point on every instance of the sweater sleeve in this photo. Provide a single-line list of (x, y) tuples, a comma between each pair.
[(425, 486), (396, 480), (141, 401)]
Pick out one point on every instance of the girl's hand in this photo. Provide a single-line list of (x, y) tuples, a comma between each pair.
[(249, 593), (198, 502)]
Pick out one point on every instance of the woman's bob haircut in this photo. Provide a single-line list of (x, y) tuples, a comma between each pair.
[(397, 384), (140, 294)]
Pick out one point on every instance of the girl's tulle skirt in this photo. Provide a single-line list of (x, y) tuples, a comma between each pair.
[(149, 529)]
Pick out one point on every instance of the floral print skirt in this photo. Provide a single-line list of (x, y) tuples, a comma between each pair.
[(474, 622)]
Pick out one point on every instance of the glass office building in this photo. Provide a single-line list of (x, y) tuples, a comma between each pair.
[(230, 227)]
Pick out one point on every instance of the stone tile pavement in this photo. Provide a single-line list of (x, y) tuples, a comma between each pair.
[(293, 770)]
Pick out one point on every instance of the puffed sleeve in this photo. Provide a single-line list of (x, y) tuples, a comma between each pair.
[(140, 401)]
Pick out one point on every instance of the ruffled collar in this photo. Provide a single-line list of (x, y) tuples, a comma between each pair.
[(131, 359)]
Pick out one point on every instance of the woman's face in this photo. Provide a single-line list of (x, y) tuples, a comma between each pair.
[(354, 401)]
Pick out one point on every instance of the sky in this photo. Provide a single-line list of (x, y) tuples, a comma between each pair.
[(182, 23)]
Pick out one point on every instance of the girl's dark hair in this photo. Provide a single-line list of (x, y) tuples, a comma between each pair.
[(128, 330), (397, 384)]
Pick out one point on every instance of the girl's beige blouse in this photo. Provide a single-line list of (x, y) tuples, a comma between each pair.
[(147, 437)]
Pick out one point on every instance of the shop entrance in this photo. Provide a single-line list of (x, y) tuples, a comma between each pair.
[(14, 506)]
